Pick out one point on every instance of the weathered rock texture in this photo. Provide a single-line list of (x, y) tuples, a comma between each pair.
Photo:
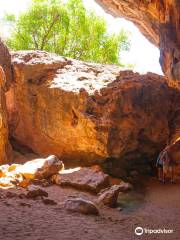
[(109, 196), (86, 179), (81, 205), (5, 149), (5, 62), (159, 21), (85, 112)]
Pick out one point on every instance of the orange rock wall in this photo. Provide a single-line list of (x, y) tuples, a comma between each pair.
[(85, 112), (5, 148)]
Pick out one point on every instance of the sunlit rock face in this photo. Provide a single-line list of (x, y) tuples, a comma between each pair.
[(5, 62), (159, 21), (85, 113), (5, 148)]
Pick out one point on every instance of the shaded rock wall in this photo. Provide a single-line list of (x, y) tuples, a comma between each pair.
[(159, 21), (86, 113)]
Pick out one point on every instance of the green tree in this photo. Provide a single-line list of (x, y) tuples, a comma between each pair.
[(67, 29)]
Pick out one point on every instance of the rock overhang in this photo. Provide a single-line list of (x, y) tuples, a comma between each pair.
[(159, 22), (87, 112)]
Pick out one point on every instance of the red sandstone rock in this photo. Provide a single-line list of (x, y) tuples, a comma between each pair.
[(5, 148), (109, 196), (81, 206), (85, 112), (5, 63), (85, 179)]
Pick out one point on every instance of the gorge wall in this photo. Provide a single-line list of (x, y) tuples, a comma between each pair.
[(5, 78), (159, 21), (87, 113)]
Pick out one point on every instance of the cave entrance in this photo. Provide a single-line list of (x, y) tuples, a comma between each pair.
[(142, 56)]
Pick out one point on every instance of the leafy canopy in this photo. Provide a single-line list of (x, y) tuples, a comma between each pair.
[(67, 29)]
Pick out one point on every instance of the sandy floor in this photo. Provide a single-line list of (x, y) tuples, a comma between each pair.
[(156, 207)]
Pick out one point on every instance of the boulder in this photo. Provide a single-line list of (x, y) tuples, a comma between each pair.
[(109, 196), (125, 187), (41, 168), (86, 113), (81, 205), (86, 179)]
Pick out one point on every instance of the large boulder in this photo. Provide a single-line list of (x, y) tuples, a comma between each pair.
[(87, 113), (86, 179), (159, 21), (5, 148)]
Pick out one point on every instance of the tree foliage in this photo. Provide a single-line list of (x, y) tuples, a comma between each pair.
[(67, 29)]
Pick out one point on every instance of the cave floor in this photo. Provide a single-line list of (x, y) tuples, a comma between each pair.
[(156, 207)]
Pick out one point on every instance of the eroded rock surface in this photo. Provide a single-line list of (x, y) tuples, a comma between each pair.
[(159, 21), (5, 62), (81, 205), (109, 196), (5, 148), (86, 179), (86, 113)]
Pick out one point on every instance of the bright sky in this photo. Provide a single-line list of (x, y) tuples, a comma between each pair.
[(143, 54)]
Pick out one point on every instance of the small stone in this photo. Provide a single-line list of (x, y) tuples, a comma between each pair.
[(81, 206), (36, 192), (119, 209), (48, 201)]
